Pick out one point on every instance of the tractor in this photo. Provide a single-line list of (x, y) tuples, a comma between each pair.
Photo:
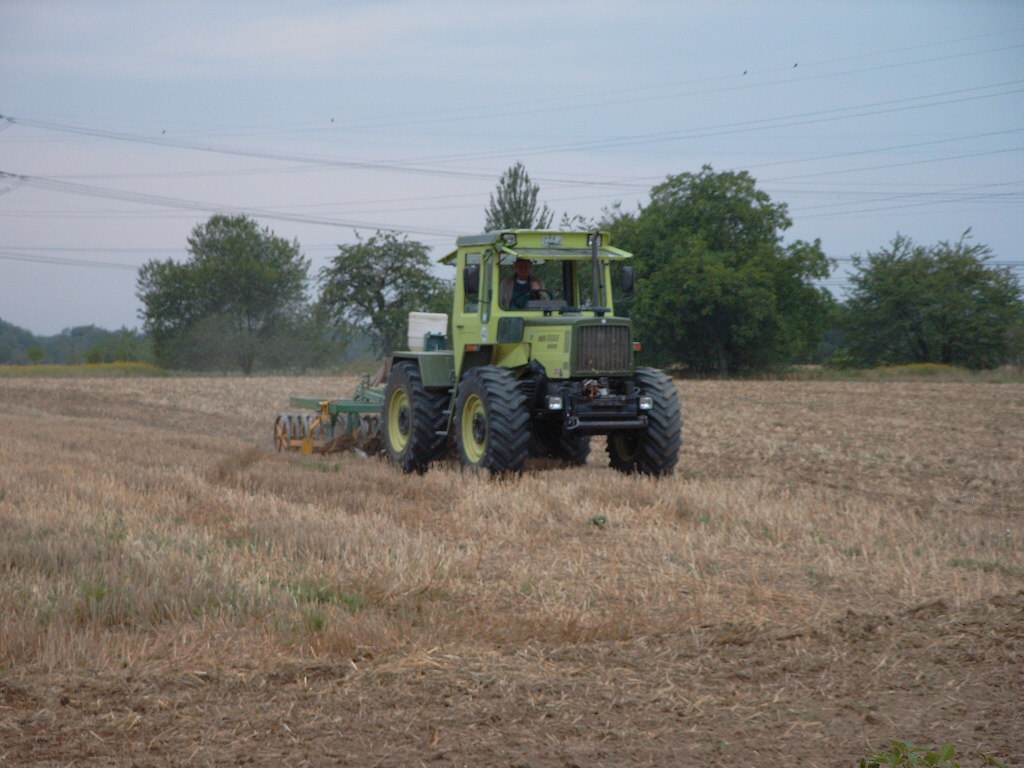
[(532, 362)]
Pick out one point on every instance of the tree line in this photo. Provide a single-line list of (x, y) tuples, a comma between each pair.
[(80, 344), (719, 291)]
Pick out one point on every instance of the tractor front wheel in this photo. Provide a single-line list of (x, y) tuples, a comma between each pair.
[(413, 415), (654, 451), (492, 422)]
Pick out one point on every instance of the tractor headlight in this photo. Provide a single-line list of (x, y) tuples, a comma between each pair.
[(554, 403), (646, 402)]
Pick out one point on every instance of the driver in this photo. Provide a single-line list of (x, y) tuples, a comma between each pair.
[(519, 288)]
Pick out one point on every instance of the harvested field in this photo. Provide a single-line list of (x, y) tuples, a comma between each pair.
[(834, 564)]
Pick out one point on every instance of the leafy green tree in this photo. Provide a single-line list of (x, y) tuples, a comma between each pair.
[(129, 346), (308, 342), (373, 284), (932, 304), (123, 346), (716, 288), (14, 342), (514, 203), (72, 345), (36, 355), (1015, 341), (240, 287)]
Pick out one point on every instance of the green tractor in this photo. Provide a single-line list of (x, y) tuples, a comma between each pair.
[(535, 362)]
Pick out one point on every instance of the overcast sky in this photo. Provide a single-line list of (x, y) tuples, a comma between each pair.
[(127, 124)]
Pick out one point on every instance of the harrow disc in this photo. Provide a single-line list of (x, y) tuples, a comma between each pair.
[(281, 432), (291, 429)]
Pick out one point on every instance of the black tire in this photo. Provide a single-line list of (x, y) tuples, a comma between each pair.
[(549, 440), (654, 451), (622, 451), (412, 417), (573, 449), (492, 422)]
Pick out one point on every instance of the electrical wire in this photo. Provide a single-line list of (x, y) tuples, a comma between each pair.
[(11, 255), (196, 205), (415, 166)]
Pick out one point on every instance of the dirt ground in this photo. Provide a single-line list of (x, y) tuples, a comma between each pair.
[(717, 697), (727, 693)]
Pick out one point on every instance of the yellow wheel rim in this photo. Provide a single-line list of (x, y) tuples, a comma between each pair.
[(399, 420), (474, 429)]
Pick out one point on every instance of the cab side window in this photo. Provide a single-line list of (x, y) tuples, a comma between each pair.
[(472, 299)]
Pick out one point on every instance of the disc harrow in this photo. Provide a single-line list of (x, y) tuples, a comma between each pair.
[(336, 425)]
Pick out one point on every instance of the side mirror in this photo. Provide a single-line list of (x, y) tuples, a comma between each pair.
[(627, 279), (471, 280)]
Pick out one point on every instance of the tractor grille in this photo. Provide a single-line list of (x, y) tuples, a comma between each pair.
[(602, 348)]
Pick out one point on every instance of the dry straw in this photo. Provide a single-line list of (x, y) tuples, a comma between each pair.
[(148, 521)]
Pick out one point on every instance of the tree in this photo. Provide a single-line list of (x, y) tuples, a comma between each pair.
[(240, 287), (72, 345), (932, 304), (372, 285), (514, 203), (14, 343), (307, 342), (716, 288), (123, 346)]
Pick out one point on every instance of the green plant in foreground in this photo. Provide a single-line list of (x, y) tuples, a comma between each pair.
[(905, 756)]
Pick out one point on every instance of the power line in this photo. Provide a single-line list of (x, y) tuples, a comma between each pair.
[(414, 166), (898, 207), (580, 101), (574, 101), (744, 126), (85, 249), (951, 195), (323, 162), (891, 148), (196, 205), (894, 165), (63, 261)]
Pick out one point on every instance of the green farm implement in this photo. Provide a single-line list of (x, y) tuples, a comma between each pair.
[(532, 362), (337, 424)]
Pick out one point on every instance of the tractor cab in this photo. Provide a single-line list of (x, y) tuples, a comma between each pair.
[(520, 293)]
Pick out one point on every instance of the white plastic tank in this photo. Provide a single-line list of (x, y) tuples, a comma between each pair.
[(422, 323)]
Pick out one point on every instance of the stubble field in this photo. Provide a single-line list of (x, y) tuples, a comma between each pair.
[(833, 564)]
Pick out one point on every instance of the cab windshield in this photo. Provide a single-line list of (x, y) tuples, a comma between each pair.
[(552, 284)]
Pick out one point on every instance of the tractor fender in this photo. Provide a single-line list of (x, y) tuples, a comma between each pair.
[(437, 369)]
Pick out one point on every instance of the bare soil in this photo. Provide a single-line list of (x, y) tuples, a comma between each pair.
[(833, 565), (717, 697)]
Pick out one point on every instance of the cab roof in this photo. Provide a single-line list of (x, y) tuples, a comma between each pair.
[(538, 244)]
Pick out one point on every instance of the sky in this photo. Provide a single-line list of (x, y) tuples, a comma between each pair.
[(127, 124)]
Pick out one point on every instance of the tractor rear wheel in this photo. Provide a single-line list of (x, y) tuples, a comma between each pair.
[(654, 451), (413, 415), (492, 422)]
